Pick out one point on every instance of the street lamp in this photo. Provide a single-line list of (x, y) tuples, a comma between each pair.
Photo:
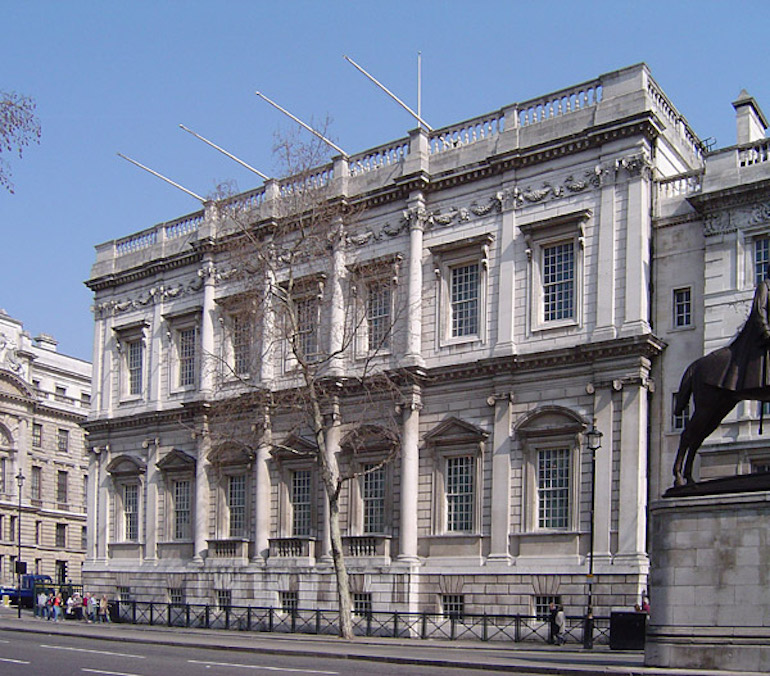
[(20, 482), (593, 443)]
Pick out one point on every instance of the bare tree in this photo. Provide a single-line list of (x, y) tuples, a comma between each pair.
[(323, 354), (19, 126)]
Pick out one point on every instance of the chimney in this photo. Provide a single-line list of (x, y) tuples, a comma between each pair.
[(750, 121), (46, 341)]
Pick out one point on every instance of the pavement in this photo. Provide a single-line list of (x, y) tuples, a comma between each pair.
[(475, 656)]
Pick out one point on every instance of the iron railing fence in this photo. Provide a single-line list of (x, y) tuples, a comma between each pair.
[(514, 628)]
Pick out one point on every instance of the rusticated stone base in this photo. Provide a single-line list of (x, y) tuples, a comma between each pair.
[(709, 591)]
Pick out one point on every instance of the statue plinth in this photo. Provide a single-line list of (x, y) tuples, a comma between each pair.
[(710, 576)]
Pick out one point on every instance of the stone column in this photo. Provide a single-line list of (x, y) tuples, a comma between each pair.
[(202, 498), (92, 503), (632, 521), (416, 216), (104, 495), (638, 233), (207, 360), (603, 412), (262, 507), (505, 344), (332, 447), (605, 265), (337, 300), (501, 479), (410, 466), (151, 502)]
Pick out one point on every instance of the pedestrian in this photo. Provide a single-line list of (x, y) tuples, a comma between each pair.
[(40, 610), (645, 605), (57, 607), (93, 608), (552, 628), (49, 606), (561, 624), (104, 609)]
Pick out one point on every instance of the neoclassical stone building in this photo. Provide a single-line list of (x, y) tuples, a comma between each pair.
[(44, 398), (523, 245)]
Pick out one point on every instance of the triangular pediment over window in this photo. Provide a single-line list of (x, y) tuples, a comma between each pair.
[(176, 461), (126, 465), (294, 446), (454, 431)]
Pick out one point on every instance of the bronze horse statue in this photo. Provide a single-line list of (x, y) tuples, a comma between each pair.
[(720, 379)]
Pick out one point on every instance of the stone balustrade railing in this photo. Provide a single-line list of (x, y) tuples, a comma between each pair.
[(169, 230), (466, 132), (382, 156), (757, 153), (672, 118), (560, 103), (316, 178), (680, 185)]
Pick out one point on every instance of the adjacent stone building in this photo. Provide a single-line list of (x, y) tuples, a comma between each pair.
[(537, 250), (44, 398)]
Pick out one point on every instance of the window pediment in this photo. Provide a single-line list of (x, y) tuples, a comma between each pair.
[(176, 461), (13, 386), (550, 421), (294, 447), (455, 432), (369, 439), (126, 466), (231, 455)]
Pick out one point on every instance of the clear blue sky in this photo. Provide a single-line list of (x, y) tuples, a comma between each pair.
[(120, 76)]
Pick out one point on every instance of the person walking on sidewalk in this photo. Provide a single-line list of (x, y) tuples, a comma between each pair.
[(104, 610), (561, 623)]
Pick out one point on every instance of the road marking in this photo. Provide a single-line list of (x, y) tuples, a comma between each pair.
[(95, 652), (8, 659), (256, 666), (108, 673)]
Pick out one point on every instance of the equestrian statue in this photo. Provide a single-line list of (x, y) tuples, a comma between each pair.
[(720, 379)]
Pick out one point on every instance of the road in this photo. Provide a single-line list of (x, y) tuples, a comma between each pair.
[(28, 654)]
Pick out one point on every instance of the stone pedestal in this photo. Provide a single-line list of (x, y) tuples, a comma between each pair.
[(710, 582)]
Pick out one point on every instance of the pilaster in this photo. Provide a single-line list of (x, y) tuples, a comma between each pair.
[(410, 466), (501, 478)]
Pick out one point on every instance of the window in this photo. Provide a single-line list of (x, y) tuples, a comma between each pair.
[(553, 481), (187, 340), (83, 537), (62, 440), (35, 483), (61, 535), (124, 594), (131, 512), (176, 596), (761, 259), (236, 503), (678, 422), (12, 528), (240, 337), (461, 271), (373, 499), (301, 493), (306, 342), (558, 282), (682, 308), (85, 400), (378, 315), (362, 604), (61, 393), (38, 532), (542, 606), (61, 487), (37, 435), (182, 510), (134, 367), (289, 602), (3, 475), (457, 448), (459, 493), (453, 606), (554, 252), (464, 300), (224, 598)]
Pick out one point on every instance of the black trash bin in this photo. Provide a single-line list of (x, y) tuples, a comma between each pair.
[(627, 630)]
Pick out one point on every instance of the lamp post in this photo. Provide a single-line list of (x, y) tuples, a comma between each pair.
[(20, 482), (593, 443)]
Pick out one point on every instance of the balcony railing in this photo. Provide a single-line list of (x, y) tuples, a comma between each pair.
[(292, 548), (366, 545)]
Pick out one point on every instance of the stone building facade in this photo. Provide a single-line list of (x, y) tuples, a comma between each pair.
[(522, 244), (44, 398)]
